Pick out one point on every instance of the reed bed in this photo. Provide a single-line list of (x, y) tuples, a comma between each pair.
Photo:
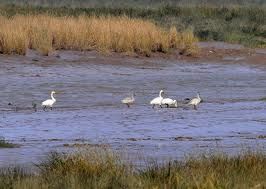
[(241, 23), (105, 169), (46, 33)]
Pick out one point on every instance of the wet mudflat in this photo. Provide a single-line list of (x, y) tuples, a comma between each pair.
[(88, 110)]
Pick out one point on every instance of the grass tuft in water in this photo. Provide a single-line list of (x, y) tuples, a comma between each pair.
[(263, 99), (5, 144)]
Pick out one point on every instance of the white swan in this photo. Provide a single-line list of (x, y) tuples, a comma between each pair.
[(169, 103), (195, 101), (157, 100), (49, 102), (129, 100)]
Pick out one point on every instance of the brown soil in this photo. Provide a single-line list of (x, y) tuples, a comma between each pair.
[(210, 52), (219, 51)]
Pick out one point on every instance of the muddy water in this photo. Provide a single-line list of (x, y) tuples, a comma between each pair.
[(88, 109)]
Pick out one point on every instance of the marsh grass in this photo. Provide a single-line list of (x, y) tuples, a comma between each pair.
[(104, 169), (46, 33), (240, 23), (5, 144)]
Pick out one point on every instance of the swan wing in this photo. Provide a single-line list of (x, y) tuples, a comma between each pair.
[(127, 100), (48, 102), (168, 101), (193, 101), (154, 101), (157, 101)]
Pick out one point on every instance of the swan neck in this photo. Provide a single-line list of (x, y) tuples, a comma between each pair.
[(160, 94), (52, 96)]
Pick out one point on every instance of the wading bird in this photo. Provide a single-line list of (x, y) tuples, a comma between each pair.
[(49, 102), (195, 101), (170, 103), (157, 100), (129, 100)]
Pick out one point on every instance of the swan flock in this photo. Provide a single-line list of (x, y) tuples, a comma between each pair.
[(158, 101), (170, 103)]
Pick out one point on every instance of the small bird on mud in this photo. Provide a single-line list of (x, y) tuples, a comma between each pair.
[(14, 105), (129, 100), (195, 101), (49, 102), (157, 100), (34, 106)]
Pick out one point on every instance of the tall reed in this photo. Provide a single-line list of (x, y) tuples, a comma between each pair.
[(106, 34)]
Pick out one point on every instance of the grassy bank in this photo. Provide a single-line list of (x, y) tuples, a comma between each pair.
[(237, 24), (103, 169), (106, 34), (6, 144)]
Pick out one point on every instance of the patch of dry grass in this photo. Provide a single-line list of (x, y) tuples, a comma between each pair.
[(104, 169), (105, 34)]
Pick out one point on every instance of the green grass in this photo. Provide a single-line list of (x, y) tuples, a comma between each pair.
[(263, 99), (236, 24), (104, 169), (5, 144)]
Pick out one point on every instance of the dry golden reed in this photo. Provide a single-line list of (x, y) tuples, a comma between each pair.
[(106, 34)]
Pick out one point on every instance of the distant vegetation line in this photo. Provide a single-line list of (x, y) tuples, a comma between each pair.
[(241, 24), (131, 3)]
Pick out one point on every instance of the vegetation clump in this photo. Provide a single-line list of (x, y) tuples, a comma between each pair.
[(105, 34), (240, 22), (263, 99), (5, 144), (104, 169)]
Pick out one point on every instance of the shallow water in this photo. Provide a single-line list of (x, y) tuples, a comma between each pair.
[(88, 108)]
